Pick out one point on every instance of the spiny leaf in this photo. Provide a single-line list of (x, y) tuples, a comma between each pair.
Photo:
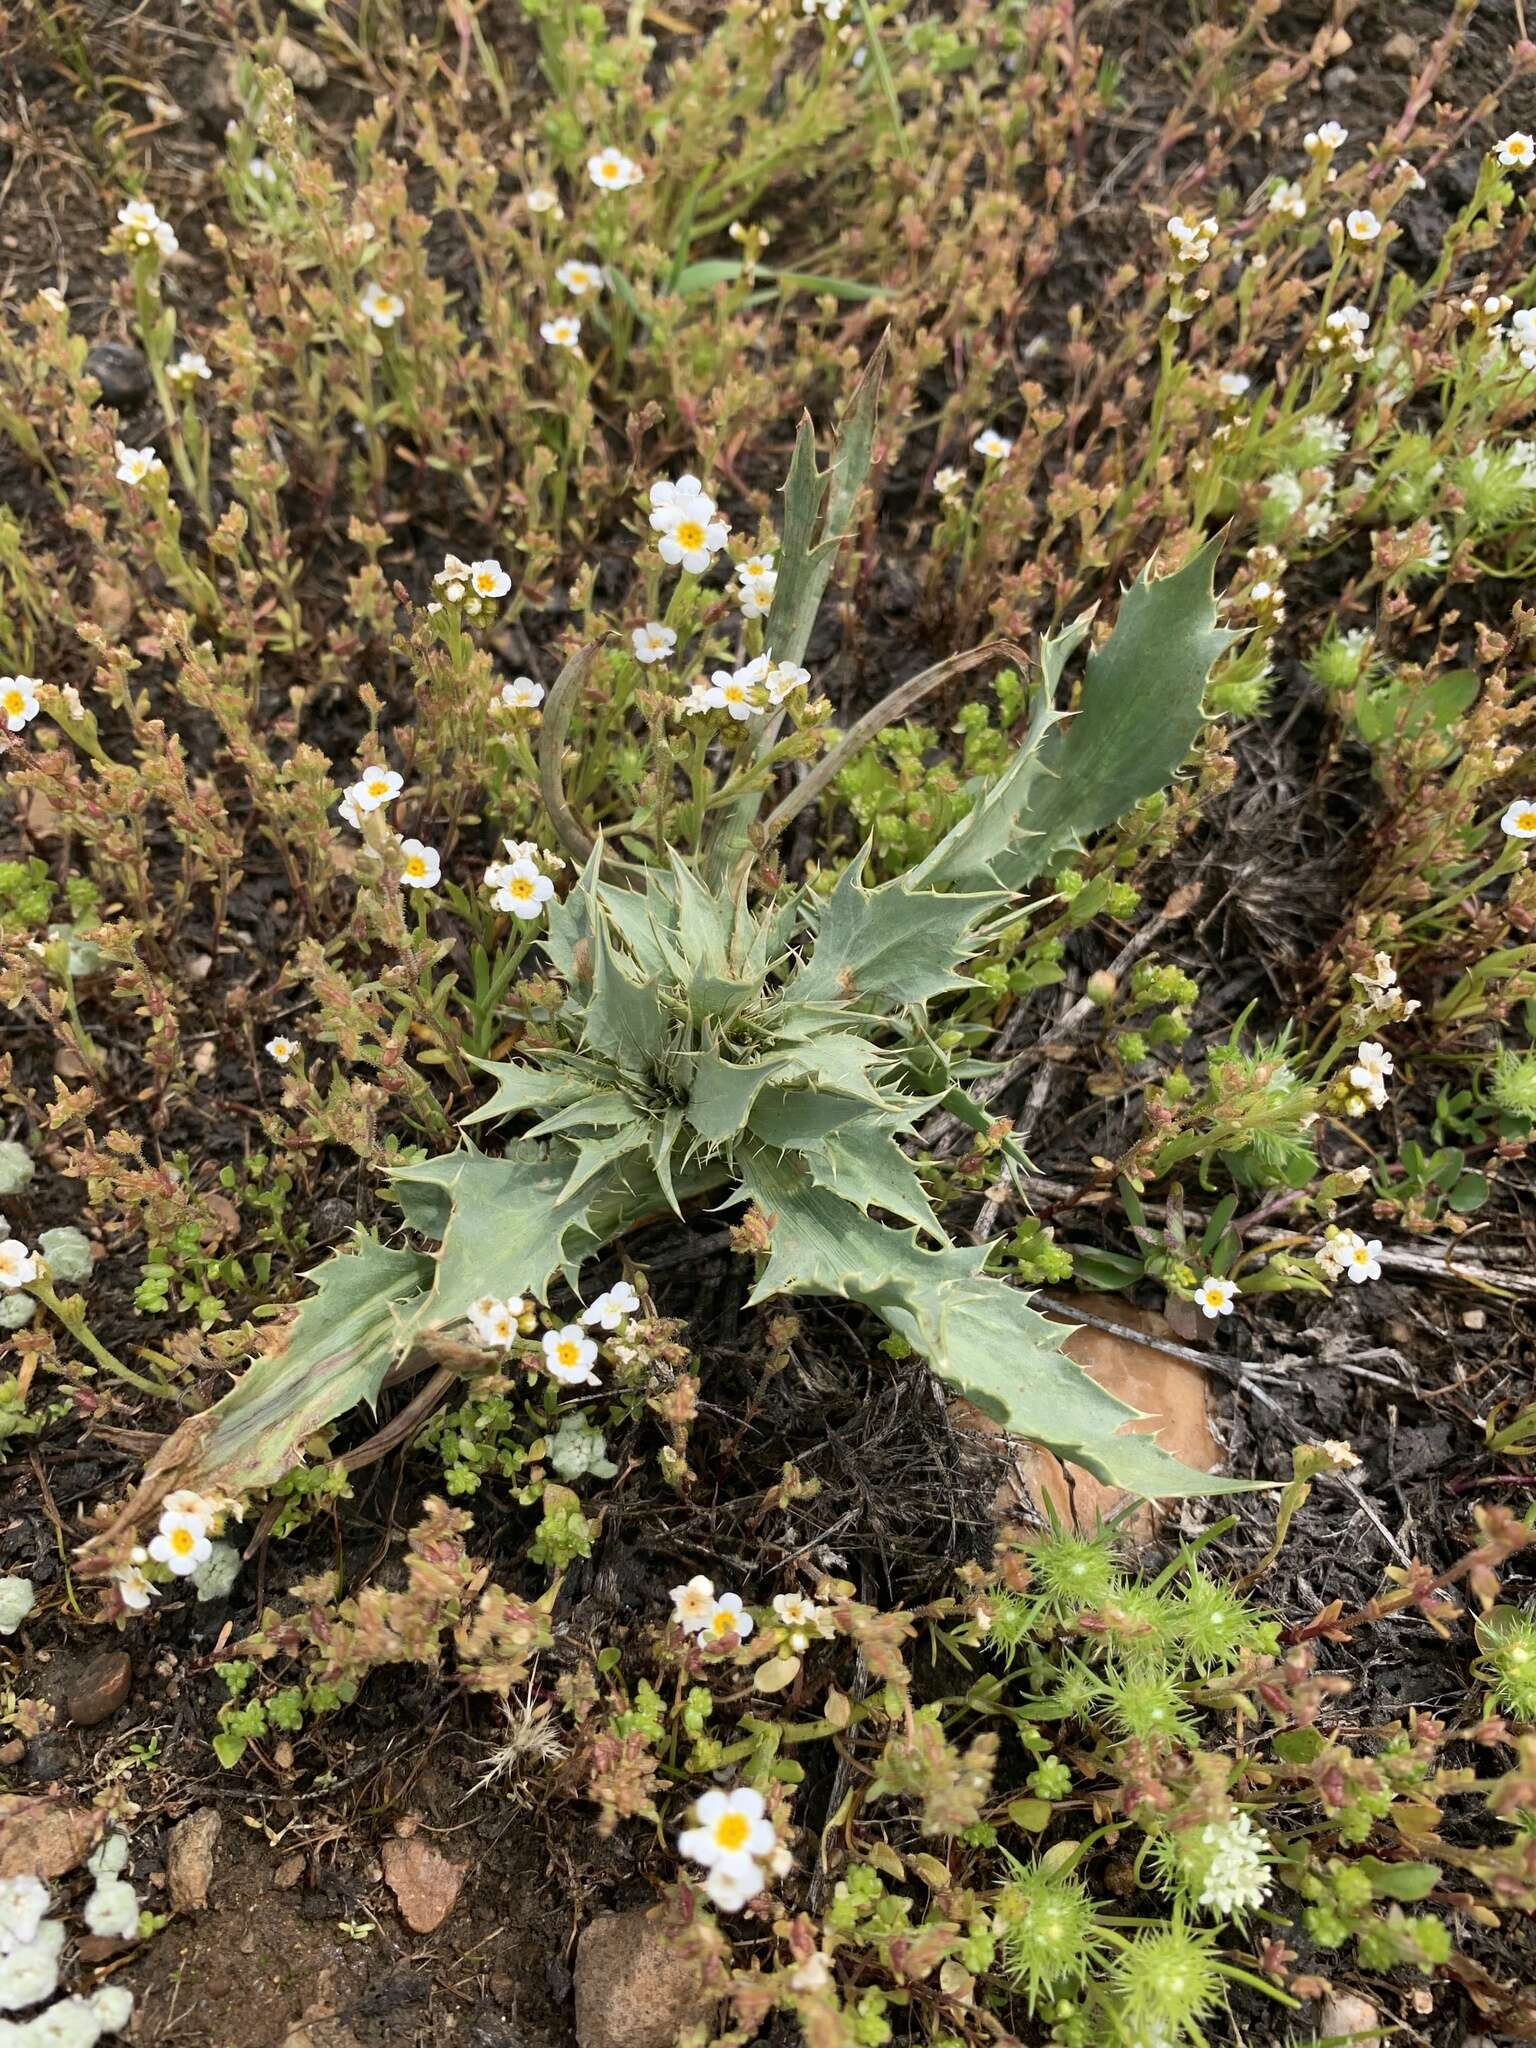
[(889, 947)]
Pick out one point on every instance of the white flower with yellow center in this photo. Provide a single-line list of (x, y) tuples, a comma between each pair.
[(522, 694), (488, 579), (992, 446), (495, 1322), (730, 1830), (1215, 1297), (1362, 1258), (693, 1604), (18, 1268), (562, 332), (653, 642), (1517, 152), (727, 1618), (421, 865), (134, 465), (133, 1589), (1519, 821), (542, 199), (374, 788), (181, 1542), (521, 889), (948, 480), (579, 278), (610, 1308), (189, 369), (281, 1050), (1373, 1063), (18, 701), (759, 580), (729, 1886), (739, 691), (612, 171), (1361, 225), (1325, 139), (569, 1357), (783, 678), (144, 229), (684, 515), (382, 307), (796, 1612), (1287, 198)]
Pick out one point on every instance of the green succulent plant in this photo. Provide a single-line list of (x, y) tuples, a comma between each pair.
[(770, 1050)]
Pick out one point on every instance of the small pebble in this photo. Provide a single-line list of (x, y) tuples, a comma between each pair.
[(121, 371), (101, 1689)]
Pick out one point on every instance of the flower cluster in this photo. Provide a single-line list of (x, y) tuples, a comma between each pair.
[(188, 371), (1228, 1866), (496, 1323), (761, 684), (1345, 1253), (1368, 1075), (802, 1618), (685, 516), (32, 1946), (759, 580), (473, 585), (1343, 333), (700, 1611), (731, 1840), (517, 884), (139, 226)]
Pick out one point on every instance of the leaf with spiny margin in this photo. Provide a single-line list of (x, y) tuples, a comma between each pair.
[(568, 930), (594, 1155), (333, 1358), (1138, 717), (969, 854), (887, 947), (863, 1164), (722, 1092), (799, 1119), (837, 1059), (978, 1333), (625, 1021), (507, 1226), (521, 1086), (595, 1106)]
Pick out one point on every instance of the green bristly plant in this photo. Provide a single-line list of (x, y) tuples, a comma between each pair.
[(768, 1048)]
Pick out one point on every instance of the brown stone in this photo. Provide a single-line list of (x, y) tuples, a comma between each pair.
[(1344, 2016), (1400, 50), (303, 66), (101, 1689), (189, 1858), (1169, 1391), (424, 1882), (634, 1989), (44, 1837)]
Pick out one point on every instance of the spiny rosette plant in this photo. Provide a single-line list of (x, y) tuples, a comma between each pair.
[(774, 1049)]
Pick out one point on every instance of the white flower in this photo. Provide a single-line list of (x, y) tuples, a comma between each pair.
[(728, 1886), (18, 1267), (1215, 1297), (381, 307), (1369, 1073), (488, 578), (1519, 821), (374, 788), (521, 889), (181, 1542), (1361, 225), (947, 480), (542, 199), (23, 1903), (1191, 239), (693, 1604), (562, 332), (281, 1049), (260, 172), (1325, 139), (133, 1589), (1233, 383), (18, 701), (522, 694), (701, 696), (452, 579), (1362, 1257), (737, 690), (782, 678), (730, 1830), (992, 446), (495, 1322), (610, 1309), (1288, 198), (1416, 179), (684, 514), (569, 1356), (831, 10), (579, 278), (1237, 1877), (189, 367), (143, 228), (653, 642), (29, 1971), (135, 464), (113, 1908), (759, 580), (422, 867), (796, 1612), (611, 171), (1517, 151), (726, 1618)]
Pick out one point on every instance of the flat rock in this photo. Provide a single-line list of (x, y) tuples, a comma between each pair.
[(189, 1858), (44, 1837), (633, 1987), (425, 1883), (122, 371), (100, 1690), (1344, 2014)]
